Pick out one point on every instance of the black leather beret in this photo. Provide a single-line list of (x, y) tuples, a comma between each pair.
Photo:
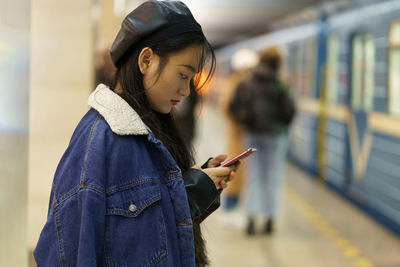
[(174, 17)]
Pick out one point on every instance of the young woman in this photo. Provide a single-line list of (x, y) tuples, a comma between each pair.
[(124, 193)]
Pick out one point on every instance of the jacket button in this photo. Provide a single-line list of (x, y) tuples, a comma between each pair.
[(132, 207)]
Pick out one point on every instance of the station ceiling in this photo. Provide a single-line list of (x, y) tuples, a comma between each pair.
[(227, 21)]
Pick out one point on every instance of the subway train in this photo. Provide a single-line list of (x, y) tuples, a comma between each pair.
[(343, 68)]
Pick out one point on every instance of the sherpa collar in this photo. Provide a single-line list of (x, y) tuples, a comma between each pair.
[(122, 118)]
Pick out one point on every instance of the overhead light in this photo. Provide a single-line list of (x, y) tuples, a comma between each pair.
[(96, 13), (244, 59)]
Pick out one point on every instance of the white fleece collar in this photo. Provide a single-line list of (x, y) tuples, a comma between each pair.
[(121, 117)]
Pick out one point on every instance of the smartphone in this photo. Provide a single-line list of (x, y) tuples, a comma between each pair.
[(242, 155)]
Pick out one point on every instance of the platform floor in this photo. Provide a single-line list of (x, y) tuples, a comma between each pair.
[(315, 226)]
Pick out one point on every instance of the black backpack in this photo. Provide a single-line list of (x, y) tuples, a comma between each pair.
[(262, 107)]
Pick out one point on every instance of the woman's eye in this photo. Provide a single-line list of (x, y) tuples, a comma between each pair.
[(184, 77)]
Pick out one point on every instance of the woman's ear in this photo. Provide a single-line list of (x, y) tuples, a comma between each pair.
[(146, 56)]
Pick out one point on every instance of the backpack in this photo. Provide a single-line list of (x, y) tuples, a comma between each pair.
[(262, 107)]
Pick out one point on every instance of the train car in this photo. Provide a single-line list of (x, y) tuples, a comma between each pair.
[(360, 123), (344, 72)]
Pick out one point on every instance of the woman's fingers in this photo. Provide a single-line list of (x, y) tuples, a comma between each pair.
[(222, 171), (217, 161), (223, 184), (231, 176), (225, 180), (221, 175), (218, 174)]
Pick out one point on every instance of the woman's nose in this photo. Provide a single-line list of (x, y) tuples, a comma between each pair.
[(185, 90)]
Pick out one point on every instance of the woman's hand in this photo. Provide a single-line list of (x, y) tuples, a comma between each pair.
[(220, 175)]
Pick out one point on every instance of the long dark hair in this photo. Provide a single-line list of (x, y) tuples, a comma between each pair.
[(130, 78)]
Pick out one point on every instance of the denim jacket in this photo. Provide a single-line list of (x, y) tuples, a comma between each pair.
[(118, 197)]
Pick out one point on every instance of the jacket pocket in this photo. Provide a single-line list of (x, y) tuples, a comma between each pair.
[(135, 227)]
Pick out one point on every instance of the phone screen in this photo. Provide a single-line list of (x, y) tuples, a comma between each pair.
[(242, 155)]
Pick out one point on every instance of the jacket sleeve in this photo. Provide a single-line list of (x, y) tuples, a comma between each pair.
[(213, 207), (83, 236), (202, 194)]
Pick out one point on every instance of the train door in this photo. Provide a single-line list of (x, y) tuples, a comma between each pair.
[(303, 129), (336, 119), (362, 74)]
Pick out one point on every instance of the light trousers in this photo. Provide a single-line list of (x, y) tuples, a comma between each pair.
[(264, 173)]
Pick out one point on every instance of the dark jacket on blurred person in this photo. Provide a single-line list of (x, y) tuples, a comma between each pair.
[(262, 103)]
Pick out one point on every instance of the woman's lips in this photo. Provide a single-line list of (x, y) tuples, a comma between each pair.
[(174, 102)]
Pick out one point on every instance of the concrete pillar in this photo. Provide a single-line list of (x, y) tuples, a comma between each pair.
[(14, 92), (61, 80)]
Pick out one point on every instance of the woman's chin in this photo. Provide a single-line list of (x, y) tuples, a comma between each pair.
[(164, 111)]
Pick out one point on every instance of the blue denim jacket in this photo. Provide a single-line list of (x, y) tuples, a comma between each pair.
[(118, 197)]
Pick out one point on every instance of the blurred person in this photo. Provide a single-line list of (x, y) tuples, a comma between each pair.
[(124, 192), (263, 106), (242, 62)]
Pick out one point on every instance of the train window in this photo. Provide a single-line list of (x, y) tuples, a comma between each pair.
[(356, 73), (395, 34), (394, 69), (363, 72), (332, 68), (369, 72), (296, 71), (300, 69), (311, 53)]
